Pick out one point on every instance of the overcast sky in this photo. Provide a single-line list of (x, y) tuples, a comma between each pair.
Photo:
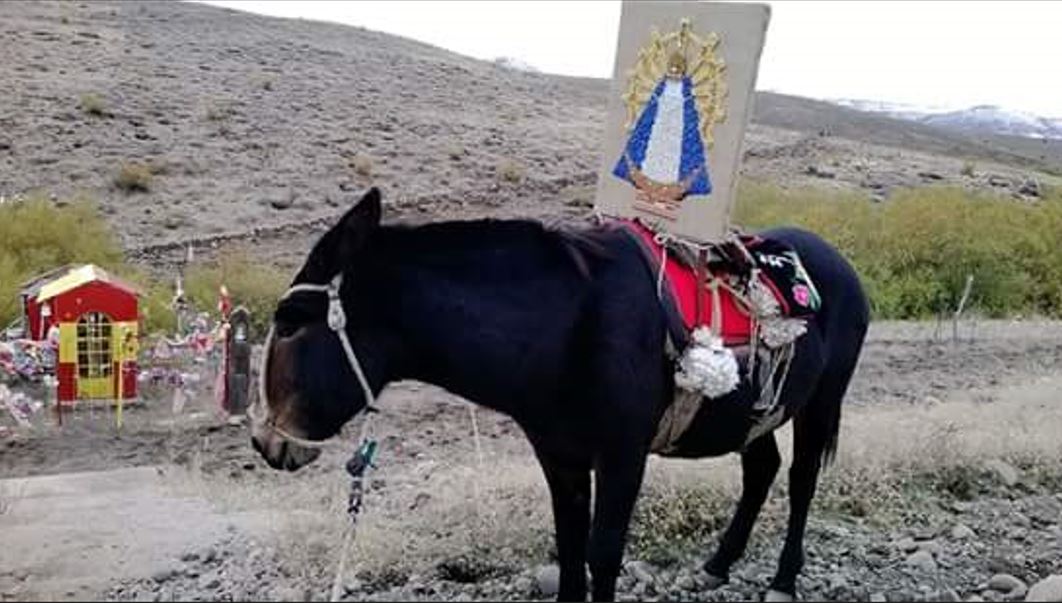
[(946, 54)]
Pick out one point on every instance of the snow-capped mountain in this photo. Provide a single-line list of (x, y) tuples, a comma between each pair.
[(999, 120), (515, 64), (979, 119)]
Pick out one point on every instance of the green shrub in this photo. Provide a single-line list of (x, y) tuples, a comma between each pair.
[(36, 235), (915, 250), (250, 284)]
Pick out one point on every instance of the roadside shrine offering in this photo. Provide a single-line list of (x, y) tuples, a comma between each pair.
[(85, 324)]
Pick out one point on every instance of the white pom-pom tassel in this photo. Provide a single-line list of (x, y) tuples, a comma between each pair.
[(707, 366)]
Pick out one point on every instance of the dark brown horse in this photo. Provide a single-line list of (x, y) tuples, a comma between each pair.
[(563, 332)]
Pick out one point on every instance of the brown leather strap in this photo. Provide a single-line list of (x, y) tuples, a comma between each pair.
[(700, 270)]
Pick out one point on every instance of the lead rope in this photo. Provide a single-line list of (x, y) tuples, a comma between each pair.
[(357, 467), (363, 458), (477, 490)]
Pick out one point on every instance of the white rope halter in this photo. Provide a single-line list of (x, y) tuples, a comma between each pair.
[(337, 322)]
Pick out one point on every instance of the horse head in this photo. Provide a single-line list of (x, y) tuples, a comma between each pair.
[(320, 366)]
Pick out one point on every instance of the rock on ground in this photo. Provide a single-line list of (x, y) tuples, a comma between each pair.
[(1049, 589)]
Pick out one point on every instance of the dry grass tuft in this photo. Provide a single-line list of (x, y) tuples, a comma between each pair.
[(895, 465), (93, 104), (511, 171), (362, 164), (134, 177)]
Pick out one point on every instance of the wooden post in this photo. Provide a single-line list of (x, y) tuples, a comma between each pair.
[(58, 402), (962, 306), (121, 379)]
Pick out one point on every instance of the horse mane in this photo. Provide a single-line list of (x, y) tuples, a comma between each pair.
[(582, 244)]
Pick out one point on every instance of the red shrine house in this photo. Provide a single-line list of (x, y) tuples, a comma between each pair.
[(93, 319)]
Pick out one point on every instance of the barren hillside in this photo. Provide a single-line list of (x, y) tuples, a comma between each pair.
[(235, 125)]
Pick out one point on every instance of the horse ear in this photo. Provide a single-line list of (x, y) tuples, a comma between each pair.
[(358, 223)]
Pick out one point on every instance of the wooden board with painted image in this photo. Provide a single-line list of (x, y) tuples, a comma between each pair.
[(679, 104)]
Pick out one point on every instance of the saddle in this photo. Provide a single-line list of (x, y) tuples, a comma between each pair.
[(753, 292), (772, 263)]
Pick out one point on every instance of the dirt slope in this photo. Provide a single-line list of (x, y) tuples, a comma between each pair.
[(255, 124)]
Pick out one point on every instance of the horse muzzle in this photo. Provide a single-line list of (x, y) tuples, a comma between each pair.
[(281, 453)]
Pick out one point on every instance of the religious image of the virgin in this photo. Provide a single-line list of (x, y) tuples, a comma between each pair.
[(675, 95)]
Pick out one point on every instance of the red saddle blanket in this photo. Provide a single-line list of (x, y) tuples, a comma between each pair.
[(680, 285)]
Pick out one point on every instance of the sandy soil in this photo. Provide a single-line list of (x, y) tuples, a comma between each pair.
[(137, 515), (259, 131)]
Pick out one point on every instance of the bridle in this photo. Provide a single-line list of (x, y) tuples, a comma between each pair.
[(337, 322)]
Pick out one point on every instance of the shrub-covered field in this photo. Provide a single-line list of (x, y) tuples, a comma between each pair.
[(36, 235), (915, 250)]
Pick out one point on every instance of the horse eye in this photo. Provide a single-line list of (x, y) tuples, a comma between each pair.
[(284, 329), (286, 320)]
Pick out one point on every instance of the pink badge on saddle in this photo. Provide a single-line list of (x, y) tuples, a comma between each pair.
[(801, 294)]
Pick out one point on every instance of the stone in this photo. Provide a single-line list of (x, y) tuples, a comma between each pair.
[(820, 172), (1049, 590), (922, 560), (933, 547), (284, 200), (962, 532), (991, 595), (287, 594), (640, 571), (523, 586), (906, 545), (208, 581), (1005, 472), (948, 595), (975, 599), (1030, 188), (685, 582), (931, 175), (878, 598), (547, 580), (163, 575), (1008, 585)]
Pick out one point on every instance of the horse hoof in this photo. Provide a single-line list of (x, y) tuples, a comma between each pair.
[(777, 596), (712, 582)]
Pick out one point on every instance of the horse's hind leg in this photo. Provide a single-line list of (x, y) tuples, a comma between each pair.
[(759, 466), (814, 428)]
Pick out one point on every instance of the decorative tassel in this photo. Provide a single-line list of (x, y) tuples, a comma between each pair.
[(707, 366), (777, 332)]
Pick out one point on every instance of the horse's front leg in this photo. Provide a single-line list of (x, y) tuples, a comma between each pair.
[(569, 487), (618, 478)]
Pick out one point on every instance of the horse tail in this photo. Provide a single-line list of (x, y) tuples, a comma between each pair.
[(852, 328)]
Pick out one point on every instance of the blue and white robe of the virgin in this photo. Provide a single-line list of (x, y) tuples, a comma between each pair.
[(666, 143)]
